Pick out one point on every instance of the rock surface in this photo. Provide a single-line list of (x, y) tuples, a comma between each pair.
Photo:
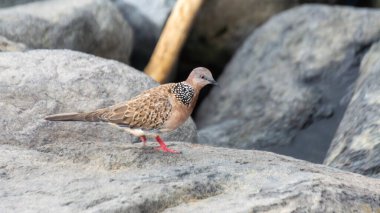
[(290, 73), (120, 177), (356, 146), (147, 18), (92, 26), (38, 83)]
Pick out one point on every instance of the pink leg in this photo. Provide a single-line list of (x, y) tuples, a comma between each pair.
[(163, 146), (143, 140)]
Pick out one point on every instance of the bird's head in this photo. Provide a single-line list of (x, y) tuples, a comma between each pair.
[(200, 77)]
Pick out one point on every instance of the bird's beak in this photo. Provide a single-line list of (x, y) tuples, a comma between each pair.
[(213, 82)]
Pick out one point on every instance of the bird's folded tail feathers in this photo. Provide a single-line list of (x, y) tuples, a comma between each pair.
[(96, 116), (67, 117)]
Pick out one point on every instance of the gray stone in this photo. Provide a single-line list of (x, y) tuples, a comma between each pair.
[(7, 45), (121, 177), (356, 146), (292, 75), (38, 83), (147, 18), (92, 26)]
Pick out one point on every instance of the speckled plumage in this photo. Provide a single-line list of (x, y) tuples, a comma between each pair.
[(160, 109), (147, 111), (183, 92)]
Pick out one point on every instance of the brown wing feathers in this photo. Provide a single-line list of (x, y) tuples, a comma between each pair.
[(148, 110)]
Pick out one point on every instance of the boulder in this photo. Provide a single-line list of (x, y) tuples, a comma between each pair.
[(38, 83), (356, 145), (147, 18), (92, 26), (290, 79), (121, 177)]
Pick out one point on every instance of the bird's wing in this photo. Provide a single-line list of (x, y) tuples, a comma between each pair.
[(149, 110)]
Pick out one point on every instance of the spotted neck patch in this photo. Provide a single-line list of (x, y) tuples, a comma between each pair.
[(183, 92)]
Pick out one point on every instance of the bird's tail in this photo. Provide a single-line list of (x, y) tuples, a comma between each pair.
[(95, 116), (67, 117)]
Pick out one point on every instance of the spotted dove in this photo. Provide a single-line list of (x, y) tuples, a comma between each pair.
[(160, 109)]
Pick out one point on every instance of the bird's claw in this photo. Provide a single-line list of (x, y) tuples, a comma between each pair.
[(166, 149)]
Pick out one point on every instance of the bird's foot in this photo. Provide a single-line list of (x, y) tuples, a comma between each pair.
[(166, 149), (163, 146)]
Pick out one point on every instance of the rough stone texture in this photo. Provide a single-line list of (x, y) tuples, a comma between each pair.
[(92, 26), (120, 177), (7, 45), (290, 73), (147, 18), (38, 83), (356, 146)]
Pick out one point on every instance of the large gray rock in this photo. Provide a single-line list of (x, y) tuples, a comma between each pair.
[(92, 26), (356, 146), (38, 83), (147, 18), (294, 70), (120, 177)]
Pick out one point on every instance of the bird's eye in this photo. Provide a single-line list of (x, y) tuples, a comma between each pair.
[(202, 76)]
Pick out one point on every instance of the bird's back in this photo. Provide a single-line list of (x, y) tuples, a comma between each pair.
[(148, 110)]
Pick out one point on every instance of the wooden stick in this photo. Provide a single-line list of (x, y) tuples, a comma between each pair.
[(172, 38)]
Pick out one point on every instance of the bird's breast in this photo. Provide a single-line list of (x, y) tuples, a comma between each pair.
[(179, 114)]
